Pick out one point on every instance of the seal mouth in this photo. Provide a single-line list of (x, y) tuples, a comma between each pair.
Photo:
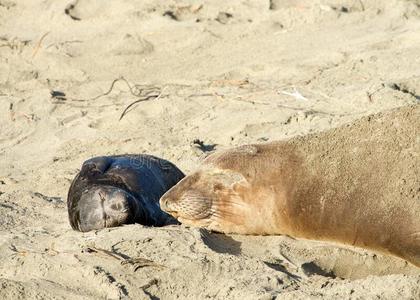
[(191, 213), (164, 204), (172, 213)]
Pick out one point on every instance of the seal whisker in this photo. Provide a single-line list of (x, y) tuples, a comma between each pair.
[(416, 235)]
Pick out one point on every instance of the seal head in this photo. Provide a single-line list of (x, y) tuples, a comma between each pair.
[(223, 198), (111, 191)]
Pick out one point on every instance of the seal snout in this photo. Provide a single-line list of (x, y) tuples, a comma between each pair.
[(164, 203), (190, 205), (105, 207)]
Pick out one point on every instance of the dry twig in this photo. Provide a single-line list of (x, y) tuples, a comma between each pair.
[(38, 45), (362, 6), (143, 92), (135, 90), (155, 97), (136, 263)]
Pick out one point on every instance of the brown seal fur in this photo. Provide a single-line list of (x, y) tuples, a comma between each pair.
[(357, 184)]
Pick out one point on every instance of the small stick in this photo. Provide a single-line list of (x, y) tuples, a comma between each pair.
[(155, 97), (362, 5), (38, 45), (370, 94), (132, 92), (124, 260), (103, 252), (104, 94)]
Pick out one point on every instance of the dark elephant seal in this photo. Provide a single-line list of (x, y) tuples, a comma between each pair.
[(357, 184), (114, 190)]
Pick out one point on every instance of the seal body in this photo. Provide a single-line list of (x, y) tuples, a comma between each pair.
[(115, 190), (357, 184)]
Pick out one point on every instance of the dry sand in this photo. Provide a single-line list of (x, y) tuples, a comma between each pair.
[(224, 72)]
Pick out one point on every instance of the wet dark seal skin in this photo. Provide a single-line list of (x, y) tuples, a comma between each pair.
[(111, 191)]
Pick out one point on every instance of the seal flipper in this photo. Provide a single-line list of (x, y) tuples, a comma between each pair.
[(96, 165)]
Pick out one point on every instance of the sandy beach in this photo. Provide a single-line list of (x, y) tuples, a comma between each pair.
[(179, 80)]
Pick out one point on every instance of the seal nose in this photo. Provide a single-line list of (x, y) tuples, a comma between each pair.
[(163, 203)]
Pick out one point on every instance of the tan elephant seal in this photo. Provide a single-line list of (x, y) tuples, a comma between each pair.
[(357, 184)]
